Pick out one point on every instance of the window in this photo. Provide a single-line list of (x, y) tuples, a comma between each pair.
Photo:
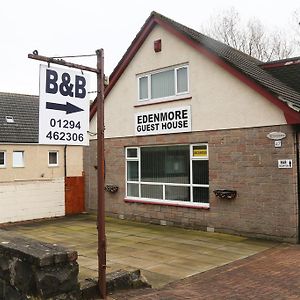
[(168, 174), (165, 83), (53, 158), (2, 159), (18, 159)]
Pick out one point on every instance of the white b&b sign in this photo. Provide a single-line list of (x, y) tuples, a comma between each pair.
[(172, 120), (64, 107)]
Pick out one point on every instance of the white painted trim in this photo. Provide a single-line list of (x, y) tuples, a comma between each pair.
[(57, 158), (169, 202), (148, 75), (196, 157), (185, 96), (138, 84), (164, 184), (132, 158), (188, 81)]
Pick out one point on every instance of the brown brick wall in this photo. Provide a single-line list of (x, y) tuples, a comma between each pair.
[(241, 159)]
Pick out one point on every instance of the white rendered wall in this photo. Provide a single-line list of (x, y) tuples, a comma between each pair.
[(28, 200), (218, 100)]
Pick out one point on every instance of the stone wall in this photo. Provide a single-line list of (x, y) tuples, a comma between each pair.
[(34, 270), (244, 160)]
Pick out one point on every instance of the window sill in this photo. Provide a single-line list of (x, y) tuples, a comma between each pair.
[(162, 203), (165, 100)]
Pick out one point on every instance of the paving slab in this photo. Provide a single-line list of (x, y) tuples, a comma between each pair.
[(271, 274), (162, 253)]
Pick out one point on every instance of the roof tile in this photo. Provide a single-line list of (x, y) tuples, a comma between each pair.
[(25, 111)]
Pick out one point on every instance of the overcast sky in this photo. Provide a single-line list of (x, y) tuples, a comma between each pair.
[(72, 27)]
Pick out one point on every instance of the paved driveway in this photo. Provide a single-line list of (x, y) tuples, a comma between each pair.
[(164, 254), (273, 274)]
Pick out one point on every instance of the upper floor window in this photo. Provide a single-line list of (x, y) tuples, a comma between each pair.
[(166, 83), (18, 159), (2, 159)]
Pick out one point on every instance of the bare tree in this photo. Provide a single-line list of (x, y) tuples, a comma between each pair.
[(251, 38), (296, 27)]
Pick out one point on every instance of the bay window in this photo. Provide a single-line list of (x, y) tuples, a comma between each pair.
[(175, 174), (166, 83)]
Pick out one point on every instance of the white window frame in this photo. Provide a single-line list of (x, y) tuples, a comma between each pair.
[(177, 95), (2, 166), (139, 168), (164, 201), (56, 164), (194, 158), (18, 165)]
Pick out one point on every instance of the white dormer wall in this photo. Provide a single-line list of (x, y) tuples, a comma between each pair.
[(218, 99)]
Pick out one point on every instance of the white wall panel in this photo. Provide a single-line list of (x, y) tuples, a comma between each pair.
[(218, 99), (27, 200)]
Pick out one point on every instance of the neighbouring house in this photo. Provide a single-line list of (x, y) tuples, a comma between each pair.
[(200, 135), (36, 181)]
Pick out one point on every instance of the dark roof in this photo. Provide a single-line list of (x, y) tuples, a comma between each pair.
[(240, 61), (286, 70), (289, 74), (285, 61), (25, 111)]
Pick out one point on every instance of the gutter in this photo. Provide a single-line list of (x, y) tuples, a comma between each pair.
[(65, 160)]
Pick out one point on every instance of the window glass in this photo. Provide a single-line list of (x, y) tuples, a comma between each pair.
[(162, 84), (18, 159), (132, 170), (201, 194), (165, 164), (179, 193), (162, 173), (2, 159), (132, 153), (133, 190), (151, 191), (53, 158), (182, 81), (200, 171), (143, 88)]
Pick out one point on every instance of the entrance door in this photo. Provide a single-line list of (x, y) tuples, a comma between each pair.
[(74, 195)]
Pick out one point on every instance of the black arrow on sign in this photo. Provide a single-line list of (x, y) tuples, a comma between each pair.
[(68, 107)]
